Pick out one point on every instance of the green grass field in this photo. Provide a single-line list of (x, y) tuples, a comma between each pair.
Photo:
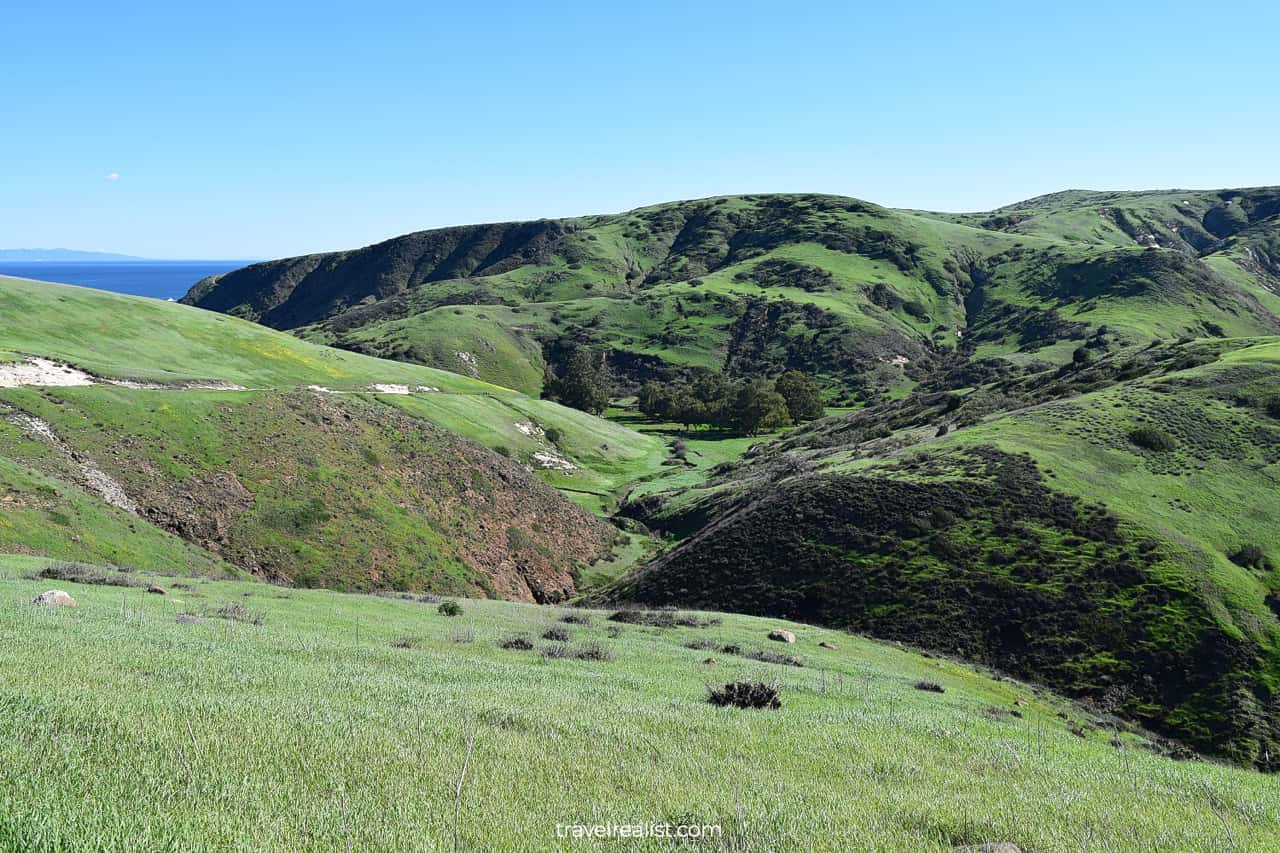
[(343, 721)]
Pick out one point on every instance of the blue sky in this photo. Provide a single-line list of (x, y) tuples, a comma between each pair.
[(242, 131)]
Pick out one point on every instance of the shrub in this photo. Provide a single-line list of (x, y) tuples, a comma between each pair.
[(449, 608), (554, 435), (1152, 438), (404, 643), (652, 618), (503, 450), (929, 686), (77, 573), (558, 635), (576, 619), (594, 650), (774, 657), (518, 642), (1251, 557), (744, 694), (236, 611)]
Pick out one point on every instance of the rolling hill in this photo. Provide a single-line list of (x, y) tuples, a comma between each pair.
[(138, 432), (873, 300), (1061, 416), (1111, 536)]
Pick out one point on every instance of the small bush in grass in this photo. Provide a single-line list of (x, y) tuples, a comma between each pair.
[(77, 573), (701, 645), (774, 657), (745, 694), (731, 649), (663, 619), (652, 618), (554, 435), (238, 612), (503, 450), (594, 650), (555, 634), (449, 608), (929, 686), (576, 619), (1151, 438), (688, 620), (614, 631), (404, 643), (519, 643)]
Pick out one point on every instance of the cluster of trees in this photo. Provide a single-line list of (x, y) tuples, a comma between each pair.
[(749, 407), (581, 382)]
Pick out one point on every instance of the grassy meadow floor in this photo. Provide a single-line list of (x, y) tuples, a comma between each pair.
[(122, 728)]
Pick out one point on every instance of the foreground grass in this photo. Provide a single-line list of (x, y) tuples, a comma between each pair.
[(121, 728)]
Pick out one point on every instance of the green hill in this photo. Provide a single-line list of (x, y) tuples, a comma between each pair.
[(232, 714), (1100, 361), (1111, 536), (165, 427), (871, 299)]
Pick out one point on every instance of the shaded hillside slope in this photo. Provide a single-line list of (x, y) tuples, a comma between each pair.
[(331, 469), (1118, 543)]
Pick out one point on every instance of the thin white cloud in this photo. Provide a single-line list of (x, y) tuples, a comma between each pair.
[(113, 176)]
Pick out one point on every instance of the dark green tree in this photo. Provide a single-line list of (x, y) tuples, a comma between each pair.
[(583, 384), (758, 408), (804, 400)]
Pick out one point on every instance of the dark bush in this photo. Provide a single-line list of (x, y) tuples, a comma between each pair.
[(744, 694), (1251, 557), (774, 657), (576, 619), (652, 618), (449, 608), (1151, 438), (517, 643), (77, 573), (404, 643), (929, 686), (558, 635)]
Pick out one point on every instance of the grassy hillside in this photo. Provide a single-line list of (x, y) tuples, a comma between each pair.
[(873, 300), (306, 464), (1043, 337), (1117, 543), (269, 716)]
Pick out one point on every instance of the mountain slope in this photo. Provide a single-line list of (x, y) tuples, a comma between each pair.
[(299, 463), (1116, 543), (869, 298)]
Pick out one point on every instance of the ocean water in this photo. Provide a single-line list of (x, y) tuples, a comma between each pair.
[(157, 279)]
